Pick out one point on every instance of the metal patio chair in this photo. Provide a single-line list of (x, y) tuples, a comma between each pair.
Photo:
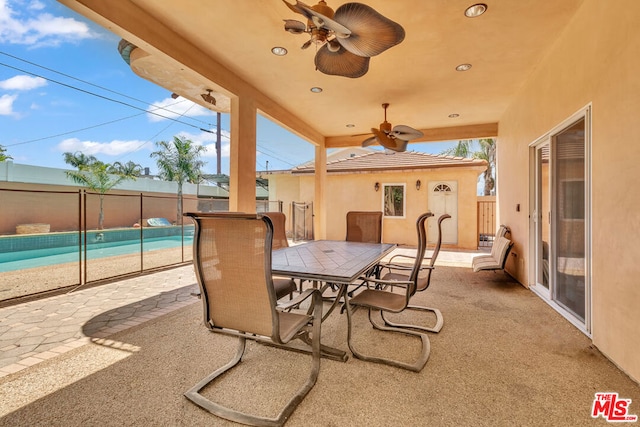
[(232, 260), (391, 296), (397, 271)]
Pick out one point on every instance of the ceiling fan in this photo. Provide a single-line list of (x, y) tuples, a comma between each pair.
[(395, 139), (347, 38)]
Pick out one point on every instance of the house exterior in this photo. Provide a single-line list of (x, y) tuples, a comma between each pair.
[(539, 76), (422, 182)]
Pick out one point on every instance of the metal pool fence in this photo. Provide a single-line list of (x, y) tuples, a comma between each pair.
[(55, 241)]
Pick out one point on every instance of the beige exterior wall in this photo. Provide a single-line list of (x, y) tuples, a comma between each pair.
[(594, 61), (355, 191)]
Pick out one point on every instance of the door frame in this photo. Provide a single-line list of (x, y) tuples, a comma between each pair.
[(548, 295)]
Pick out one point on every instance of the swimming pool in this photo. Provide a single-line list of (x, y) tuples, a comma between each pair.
[(20, 260)]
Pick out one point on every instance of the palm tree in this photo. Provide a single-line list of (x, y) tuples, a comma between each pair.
[(129, 169), (487, 152), (462, 149), (78, 159), (3, 156), (179, 161), (95, 175)]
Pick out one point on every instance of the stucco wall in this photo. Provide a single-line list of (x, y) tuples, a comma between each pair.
[(594, 61), (355, 191)]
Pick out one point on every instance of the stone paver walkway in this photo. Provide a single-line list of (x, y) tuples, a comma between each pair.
[(39, 330)]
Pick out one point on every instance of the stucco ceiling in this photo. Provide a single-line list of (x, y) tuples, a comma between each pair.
[(188, 46)]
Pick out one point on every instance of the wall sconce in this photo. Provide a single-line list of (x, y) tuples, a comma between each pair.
[(377, 186), (418, 185)]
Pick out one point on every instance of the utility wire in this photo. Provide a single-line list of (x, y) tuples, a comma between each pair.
[(262, 148), (103, 97), (89, 83)]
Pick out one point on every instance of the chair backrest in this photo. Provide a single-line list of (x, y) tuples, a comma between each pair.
[(279, 221), (422, 247), (500, 250), (364, 226), (502, 231), (423, 282), (232, 260)]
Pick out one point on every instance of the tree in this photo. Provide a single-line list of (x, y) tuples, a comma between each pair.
[(462, 149), (94, 175), (487, 152), (3, 156), (179, 161), (129, 169)]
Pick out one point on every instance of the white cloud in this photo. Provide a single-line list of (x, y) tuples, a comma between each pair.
[(6, 105), (113, 148), (22, 83), (32, 27), (169, 108)]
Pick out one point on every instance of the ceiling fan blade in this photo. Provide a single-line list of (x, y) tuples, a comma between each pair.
[(294, 27), (406, 133), (297, 8), (341, 63), (393, 144), (318, 19), (369, 141), (371, 33), (306, 44)]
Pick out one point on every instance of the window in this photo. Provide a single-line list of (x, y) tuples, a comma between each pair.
[(394, 200)]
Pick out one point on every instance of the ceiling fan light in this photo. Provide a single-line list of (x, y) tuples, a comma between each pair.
[(333, 46), (475, 10)]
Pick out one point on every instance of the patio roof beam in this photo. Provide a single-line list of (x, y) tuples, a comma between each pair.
[(453, 133)]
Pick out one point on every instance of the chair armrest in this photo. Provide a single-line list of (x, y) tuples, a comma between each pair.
[(286, 305), (401, 283)]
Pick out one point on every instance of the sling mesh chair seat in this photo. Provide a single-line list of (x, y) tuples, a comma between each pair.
[(364, 226), (397, 271), (232, 260), (391, 295)]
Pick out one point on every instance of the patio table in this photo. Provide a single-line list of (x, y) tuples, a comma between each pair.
[(329, 261)]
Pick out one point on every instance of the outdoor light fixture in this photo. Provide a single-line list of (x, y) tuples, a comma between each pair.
[(316, 89), (175, 95), (418, 185), (454, 115), (463, 67), (475, 10), (377, 186), (208, 98)]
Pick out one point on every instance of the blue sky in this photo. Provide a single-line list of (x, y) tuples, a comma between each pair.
[(65, 88)]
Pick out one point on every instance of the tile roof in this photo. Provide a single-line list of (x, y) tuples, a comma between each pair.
[(383, 161)]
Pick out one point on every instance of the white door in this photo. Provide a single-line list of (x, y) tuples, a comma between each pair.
[(443, 199)]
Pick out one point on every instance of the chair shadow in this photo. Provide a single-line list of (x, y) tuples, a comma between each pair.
[(120, 318)]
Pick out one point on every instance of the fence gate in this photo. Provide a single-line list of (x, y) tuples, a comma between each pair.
[(302, 221), (486, 223)]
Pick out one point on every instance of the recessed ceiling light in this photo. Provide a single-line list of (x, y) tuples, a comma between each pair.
[(279, 51), (454, 115), (316, 89), (351, 125), (475, 10), (463, 67)]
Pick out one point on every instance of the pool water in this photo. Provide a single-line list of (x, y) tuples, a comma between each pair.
[(20, 260)]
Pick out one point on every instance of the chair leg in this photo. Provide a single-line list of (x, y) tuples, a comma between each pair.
[(415, 367), (434, 329), (194, 395)]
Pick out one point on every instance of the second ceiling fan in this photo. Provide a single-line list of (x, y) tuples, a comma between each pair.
[(396, 138)]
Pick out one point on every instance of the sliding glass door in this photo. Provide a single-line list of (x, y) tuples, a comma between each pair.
[(560, 219)]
